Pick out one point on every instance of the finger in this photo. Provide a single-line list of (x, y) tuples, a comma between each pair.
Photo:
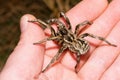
[(113, 72), (102, 57), (86, 10), (102, 26), (26, 60)]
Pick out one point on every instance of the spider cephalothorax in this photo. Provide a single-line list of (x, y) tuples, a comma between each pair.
[(68, 39)]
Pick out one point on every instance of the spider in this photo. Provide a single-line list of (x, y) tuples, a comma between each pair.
[(68, 39)]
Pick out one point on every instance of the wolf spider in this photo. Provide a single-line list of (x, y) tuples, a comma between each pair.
[(68, 39)]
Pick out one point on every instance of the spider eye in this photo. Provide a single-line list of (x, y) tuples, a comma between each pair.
[(63, 32)]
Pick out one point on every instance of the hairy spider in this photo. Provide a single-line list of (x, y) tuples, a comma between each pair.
[(68, 39)]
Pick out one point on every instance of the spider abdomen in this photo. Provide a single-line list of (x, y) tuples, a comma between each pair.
[(79, 46), (84, 46)]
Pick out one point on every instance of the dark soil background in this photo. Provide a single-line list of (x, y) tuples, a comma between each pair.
[(12, 10)]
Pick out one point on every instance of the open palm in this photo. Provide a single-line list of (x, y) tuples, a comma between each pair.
[(101, 62)]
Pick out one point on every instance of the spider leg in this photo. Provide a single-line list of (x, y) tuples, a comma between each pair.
[(55, 58), (78, 61), (97, 37), (59, 24), (44, 25), (62, 14), (46, 39), (55, 21), (84, 23)]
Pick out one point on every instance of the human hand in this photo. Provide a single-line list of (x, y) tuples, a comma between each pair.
[(101, 62)]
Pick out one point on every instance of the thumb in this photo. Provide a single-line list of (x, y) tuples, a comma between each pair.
[(26, 60)]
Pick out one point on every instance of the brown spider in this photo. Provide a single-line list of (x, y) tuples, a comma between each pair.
[(68, 39)]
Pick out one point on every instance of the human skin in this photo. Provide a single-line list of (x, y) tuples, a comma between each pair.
[(100, 63)]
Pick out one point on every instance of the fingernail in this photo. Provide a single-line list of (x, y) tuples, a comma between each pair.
[(24, 23)]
